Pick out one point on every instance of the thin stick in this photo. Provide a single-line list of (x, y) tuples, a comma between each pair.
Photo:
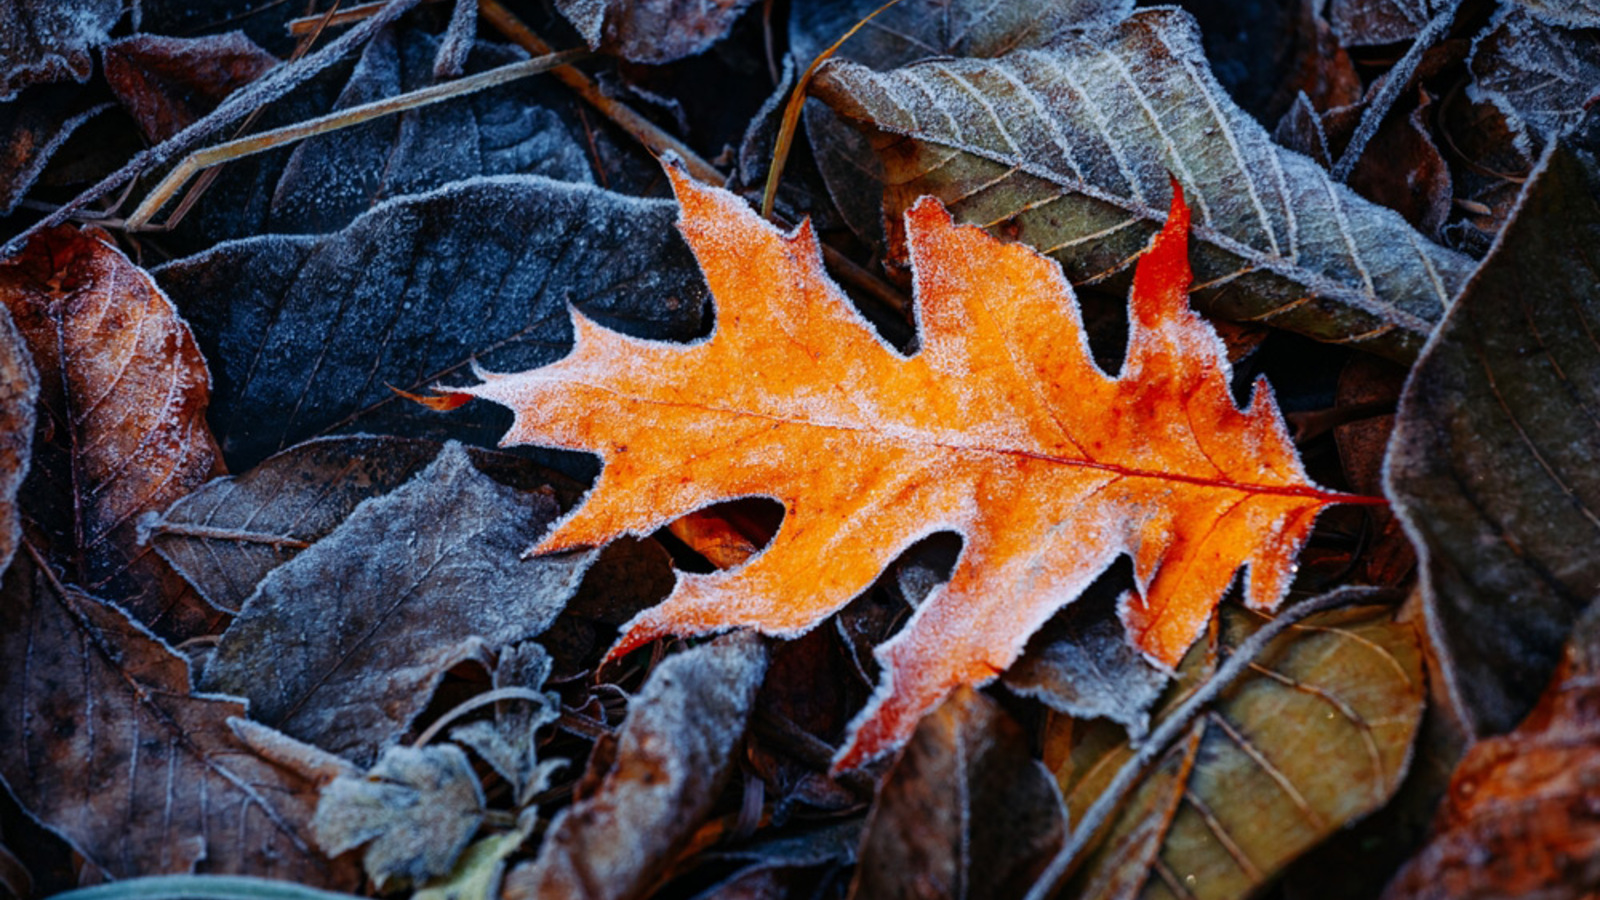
[(1399, 75), (239, 104), (791, 112), (658, 142), (355, 115), (1175, 725)]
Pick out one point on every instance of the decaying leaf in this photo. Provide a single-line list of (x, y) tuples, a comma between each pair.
[(1000, 428), (1542, 78), (43, 41), (508, 741), (1082, 664), (123, 391), (1491, 468), (19, 391), (415, 811), (1522, 818), (416, 290), (1571, 13), (167, 83), (1317, 735), (675, 753), (32, 129), (652, 31), (1069, 148), (1363, 22), (513, 129), (342, 645), (908, 31), (102, 739), (227, 535), (965, 812)]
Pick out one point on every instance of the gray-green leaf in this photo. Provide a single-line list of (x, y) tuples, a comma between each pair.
[(1072, 148)]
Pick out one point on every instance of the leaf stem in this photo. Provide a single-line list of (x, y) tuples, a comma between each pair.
[(1104, 806)]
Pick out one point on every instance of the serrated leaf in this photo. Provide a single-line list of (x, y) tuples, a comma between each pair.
[(417, 290), (123, 397), (1001, 428), (1069, 148), (342, 646), (1316, 735), (1491, 466), (103, 740)]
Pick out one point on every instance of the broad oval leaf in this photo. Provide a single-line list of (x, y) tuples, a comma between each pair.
[(343, 645), (309, 334), (1072, 148), (1317, 734), (104, 741), (123, 395), (1492, 463)]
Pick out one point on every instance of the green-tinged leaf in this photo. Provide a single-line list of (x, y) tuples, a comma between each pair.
[(1072, 148), (965, 812), (477, 873), (1316, 735), (414, 811), (1492, 464), (342, 646), (103, 741)]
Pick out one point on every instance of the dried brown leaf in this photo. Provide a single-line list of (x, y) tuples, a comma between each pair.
[(965, 812), (103, 740), (44, 41), (652, 31), (674, 754), (123, 395), (167, 83), (19, 392), (342, 645)]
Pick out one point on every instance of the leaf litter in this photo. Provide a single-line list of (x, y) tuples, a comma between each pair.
[(718, 784)]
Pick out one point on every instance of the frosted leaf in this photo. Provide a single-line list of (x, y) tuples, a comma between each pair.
[(1365, 22), (652, 31), (417, 291), (167, 83), (32, 129), (342, 646), (44, 41), (106, 744), (19, 391), (415, 811), (1071, 149), (507, 743), (673, 756), (1542, 77)]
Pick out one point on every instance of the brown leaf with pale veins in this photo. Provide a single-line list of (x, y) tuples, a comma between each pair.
[(1522, 818), (343, 645), (19, 391), (966, 812), (652, 31), (103, 741), (674, 754), (166, 83), (123, 395)]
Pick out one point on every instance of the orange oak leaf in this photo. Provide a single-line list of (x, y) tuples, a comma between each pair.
[(1000, 428)]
